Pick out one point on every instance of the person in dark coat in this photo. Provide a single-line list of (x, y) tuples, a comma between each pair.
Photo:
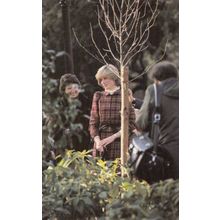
[(105, 118), (70, 124), (166, 74)]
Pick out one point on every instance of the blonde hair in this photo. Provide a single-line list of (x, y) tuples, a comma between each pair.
[(109, 71)]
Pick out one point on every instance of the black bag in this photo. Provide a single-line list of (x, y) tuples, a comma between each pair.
[(138, 146), (148, 162)]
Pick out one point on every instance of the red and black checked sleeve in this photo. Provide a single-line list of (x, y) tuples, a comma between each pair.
[(132, 125), (94, 116)]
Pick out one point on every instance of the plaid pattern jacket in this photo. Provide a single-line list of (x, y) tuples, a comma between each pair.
[(105, 120)]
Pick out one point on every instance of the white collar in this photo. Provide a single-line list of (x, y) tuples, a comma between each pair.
[(112, 91)]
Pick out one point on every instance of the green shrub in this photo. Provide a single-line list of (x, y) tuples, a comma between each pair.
[(59, 115), (81, 187)]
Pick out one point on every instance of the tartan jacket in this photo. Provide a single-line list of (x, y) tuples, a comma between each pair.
[(105, 120)]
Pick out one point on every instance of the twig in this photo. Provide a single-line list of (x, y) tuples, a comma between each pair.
[(150, 66), (95, 57)]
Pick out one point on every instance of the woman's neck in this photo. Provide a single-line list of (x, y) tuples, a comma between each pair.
[(113, 89)]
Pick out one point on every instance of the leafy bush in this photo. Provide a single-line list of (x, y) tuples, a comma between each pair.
[(81, 187), (58, 116)]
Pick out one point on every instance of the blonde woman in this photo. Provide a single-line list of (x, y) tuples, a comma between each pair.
[(105, 118)]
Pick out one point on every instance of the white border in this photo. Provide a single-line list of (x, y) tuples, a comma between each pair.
[(20, 123)]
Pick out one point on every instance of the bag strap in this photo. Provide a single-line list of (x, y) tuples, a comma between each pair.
[(156, 114)]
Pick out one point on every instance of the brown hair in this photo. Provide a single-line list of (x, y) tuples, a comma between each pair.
[(163, 70), (65, 80), (109, 71)]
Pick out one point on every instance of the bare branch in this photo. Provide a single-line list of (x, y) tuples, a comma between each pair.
[(107, 41), (130, 10), (148, 3), (107, 21), (92, 36), (113, 30), (95, 57), (122, 23), (122, 4), (154, 15), (150, 66), (116, 2), (138, 51), (134, 27), (115, 17), (145, 11), (135, 44)]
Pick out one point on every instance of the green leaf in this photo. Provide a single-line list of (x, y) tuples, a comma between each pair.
[(62, 210), (103, 195)]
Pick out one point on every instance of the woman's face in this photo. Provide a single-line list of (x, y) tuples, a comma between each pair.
[(108, 83), (72, 90)]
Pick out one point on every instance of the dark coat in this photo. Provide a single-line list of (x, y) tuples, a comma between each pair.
[(169, 124)]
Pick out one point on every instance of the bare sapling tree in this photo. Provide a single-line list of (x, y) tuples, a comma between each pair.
[(125, 25)]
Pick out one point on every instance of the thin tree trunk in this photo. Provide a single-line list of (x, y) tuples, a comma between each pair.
[(124, 117)]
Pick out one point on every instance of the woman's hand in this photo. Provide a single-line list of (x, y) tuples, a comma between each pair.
[(98, 145), (104, 142), (138, 133)]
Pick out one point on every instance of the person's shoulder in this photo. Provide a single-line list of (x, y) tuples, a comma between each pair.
[(98, 94), (150, 89), (151, 86)]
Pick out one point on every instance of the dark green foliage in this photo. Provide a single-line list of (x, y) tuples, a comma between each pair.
[(58, 115), (80, 187)]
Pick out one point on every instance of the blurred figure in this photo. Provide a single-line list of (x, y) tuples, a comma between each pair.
[(68, 125), (165, 74), (69, 87)]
